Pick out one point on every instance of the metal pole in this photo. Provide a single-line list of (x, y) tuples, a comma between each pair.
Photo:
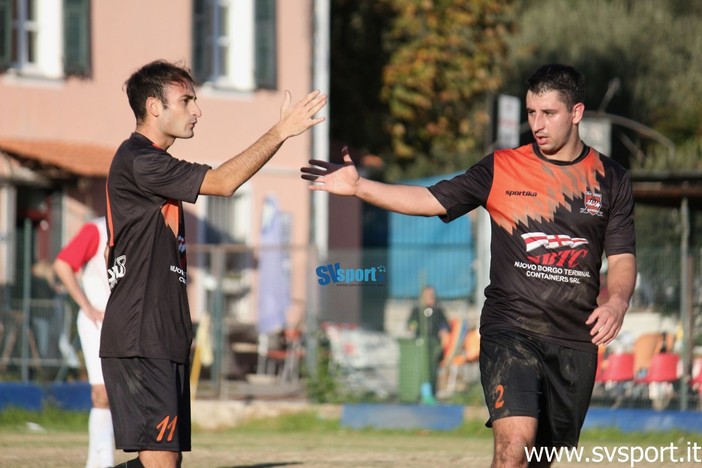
[(320, 150), (320, 132), (685, 299), (218, 257), (26, 297)]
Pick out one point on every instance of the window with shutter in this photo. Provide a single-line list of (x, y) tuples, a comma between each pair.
[(234, 43), (76, 37), (30, 40), (265, 44), (5, 33)]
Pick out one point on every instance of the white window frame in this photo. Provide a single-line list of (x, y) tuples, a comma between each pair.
[(48, 27), (239, 72)]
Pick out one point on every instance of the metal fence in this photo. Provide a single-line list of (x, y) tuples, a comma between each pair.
[(253, 333)]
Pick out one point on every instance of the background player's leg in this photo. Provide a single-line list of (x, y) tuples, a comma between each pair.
[(101, 446)]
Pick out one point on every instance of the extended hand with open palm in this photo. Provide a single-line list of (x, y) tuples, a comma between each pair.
[(298, 117), (339, 179)]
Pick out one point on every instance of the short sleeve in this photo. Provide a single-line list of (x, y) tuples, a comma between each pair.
[(82, 247), (466, 191)]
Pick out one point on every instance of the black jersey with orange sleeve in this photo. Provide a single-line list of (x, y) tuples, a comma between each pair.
[(147, 314), (551, 223)]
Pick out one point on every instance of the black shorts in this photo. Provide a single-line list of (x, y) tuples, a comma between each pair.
[(150, 403), (524, 376)]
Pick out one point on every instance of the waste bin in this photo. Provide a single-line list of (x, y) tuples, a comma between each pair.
[(417, 366)]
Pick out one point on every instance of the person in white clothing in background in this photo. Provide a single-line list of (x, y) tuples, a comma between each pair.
[(80, 266)]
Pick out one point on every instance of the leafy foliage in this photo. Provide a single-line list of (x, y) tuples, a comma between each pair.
[(445, 59), (411, 77), (652, 47)]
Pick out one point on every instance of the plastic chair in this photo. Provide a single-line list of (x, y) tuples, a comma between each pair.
[(644, 349), (454, 344), (619, 368), (696, 380), (601, 366), (289, 356), (696, 372), (470, 353), (662, 374), (663, 368), (647, 345), (283, 361)]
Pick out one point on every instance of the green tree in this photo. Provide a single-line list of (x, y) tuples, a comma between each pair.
[(410, 79), (445, 58), (653, 47)]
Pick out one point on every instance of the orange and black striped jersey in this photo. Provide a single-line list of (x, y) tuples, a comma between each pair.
[(551, 224), (147, 314)]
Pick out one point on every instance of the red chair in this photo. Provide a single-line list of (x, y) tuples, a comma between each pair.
[(663, 368), (696, 381), (601, 366), (660, 378), (619, 368)]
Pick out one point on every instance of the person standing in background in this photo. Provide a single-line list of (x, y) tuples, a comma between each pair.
[(429, 316), (428, 322), (80, 266)]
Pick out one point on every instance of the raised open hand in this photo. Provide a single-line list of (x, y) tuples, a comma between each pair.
[(339, 179), (296, 118)]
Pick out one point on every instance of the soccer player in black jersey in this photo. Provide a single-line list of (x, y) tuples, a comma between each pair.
[(147, 333), (556, 207)]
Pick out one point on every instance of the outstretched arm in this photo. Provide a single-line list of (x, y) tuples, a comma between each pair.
[(607, 319), (343, 179), (294, 120)]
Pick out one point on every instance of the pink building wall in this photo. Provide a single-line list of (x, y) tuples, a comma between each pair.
[(129, 33)]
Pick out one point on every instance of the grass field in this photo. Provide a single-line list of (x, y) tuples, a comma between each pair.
[(59, 439)]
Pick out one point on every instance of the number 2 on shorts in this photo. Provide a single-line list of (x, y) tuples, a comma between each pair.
[(500, 401)]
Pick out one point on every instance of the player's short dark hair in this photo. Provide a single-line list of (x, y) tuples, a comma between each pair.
[(151, 81), (562, 78)]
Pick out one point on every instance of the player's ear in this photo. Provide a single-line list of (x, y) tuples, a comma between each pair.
[(154, 106), (578, 112)]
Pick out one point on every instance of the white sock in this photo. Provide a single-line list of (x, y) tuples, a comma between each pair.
[(101, 442)]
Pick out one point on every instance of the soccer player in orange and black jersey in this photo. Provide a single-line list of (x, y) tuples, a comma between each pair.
[(556, 206), (147, 331)]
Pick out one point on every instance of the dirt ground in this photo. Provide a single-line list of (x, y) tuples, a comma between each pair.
[(337, 449), (234, 450)]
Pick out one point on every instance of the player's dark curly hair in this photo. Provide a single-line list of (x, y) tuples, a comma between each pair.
[(151, 81), (557, 77)]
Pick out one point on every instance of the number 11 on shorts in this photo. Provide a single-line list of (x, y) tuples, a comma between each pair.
[(166, 425)]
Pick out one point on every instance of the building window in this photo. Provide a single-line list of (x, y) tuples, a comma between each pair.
[(20, 27), (234, 43), (45, 38), (227, 219), (76, 37)]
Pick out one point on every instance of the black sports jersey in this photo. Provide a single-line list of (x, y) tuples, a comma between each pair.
[(147, 314), (551, 222)]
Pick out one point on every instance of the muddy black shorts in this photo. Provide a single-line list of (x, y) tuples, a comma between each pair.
[(150, 403), (524, 376)]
